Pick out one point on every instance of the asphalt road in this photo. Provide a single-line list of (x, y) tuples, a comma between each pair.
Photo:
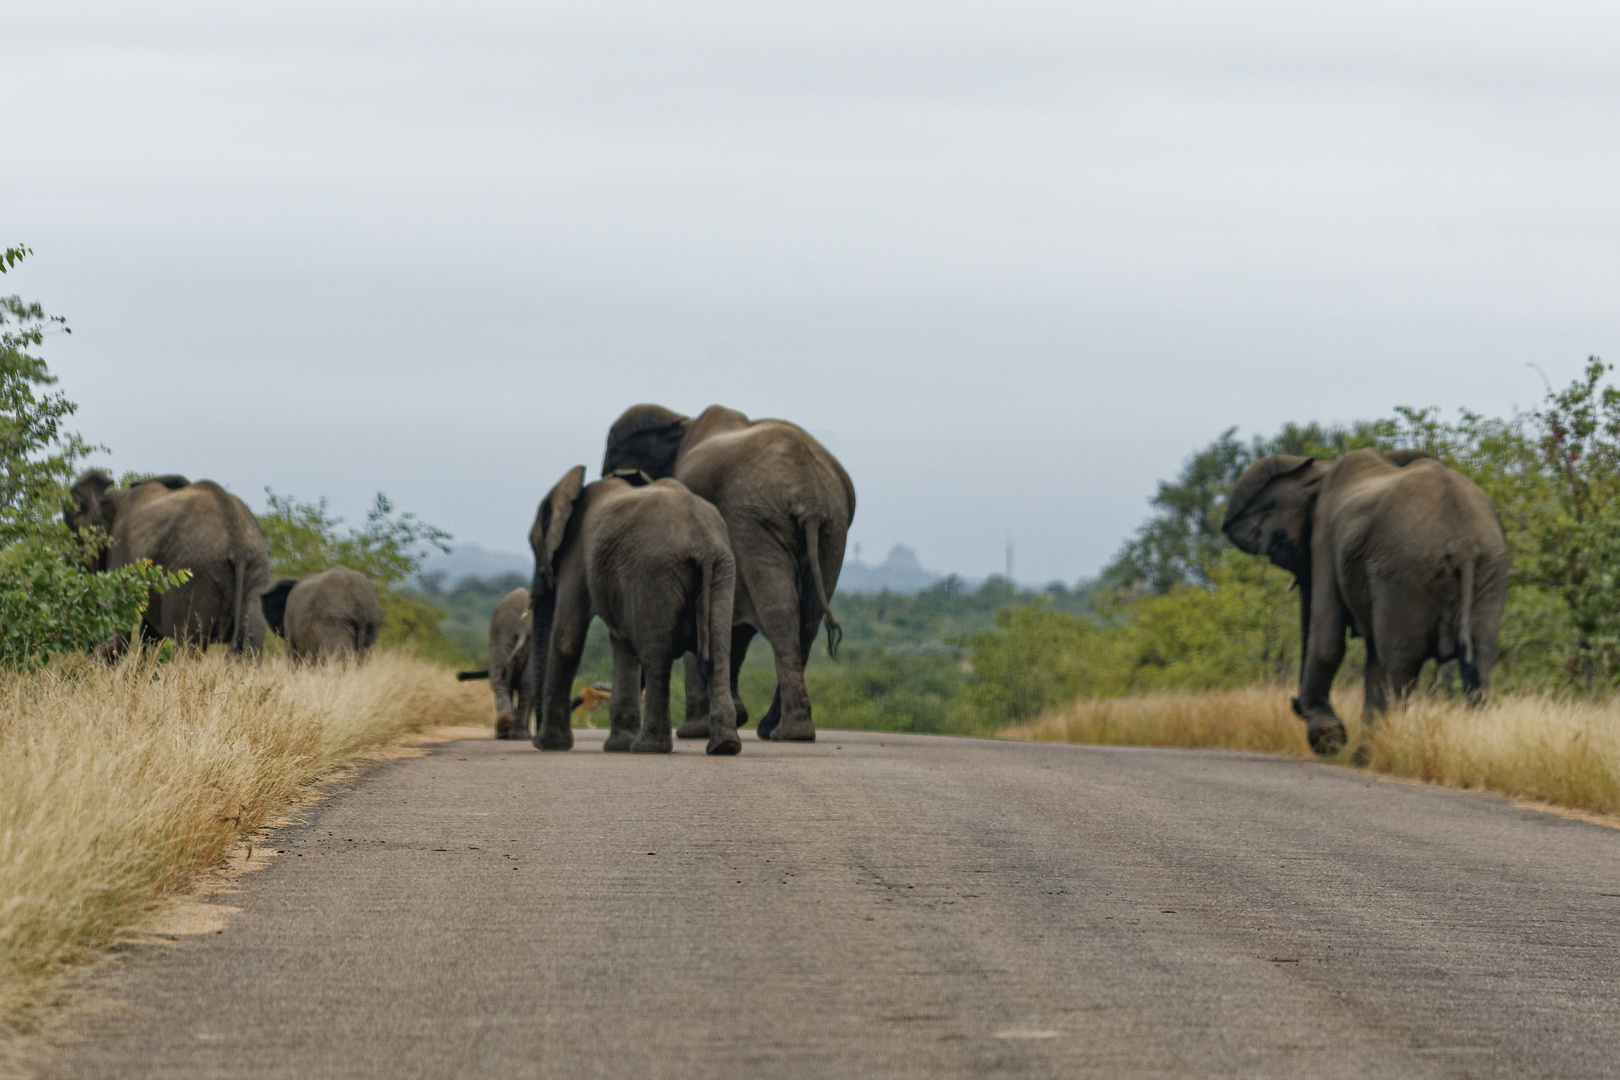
[(881, 905)]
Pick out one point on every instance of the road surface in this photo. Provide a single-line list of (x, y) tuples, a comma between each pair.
[(889, 906)]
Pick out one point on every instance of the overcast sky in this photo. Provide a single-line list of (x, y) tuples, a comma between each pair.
[(1011, 263)]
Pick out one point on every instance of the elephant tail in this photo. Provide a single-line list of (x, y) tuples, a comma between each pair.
[(705, 610), (470, 676), (808, 617)]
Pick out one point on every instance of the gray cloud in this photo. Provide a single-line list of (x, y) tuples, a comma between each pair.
[(1011, 265)]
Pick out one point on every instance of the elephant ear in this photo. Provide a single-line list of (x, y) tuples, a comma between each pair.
[(645, 437), (274, 602), (172, 481), (551, 525), (1255, 479), (89, 493), (1406, 457)]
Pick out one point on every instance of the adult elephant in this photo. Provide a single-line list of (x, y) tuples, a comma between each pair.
[(509, 650), (1393, 547), (325, 616), (787, 504), (652, 560), (180, 525)]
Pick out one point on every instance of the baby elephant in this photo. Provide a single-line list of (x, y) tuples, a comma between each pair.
[(653, 561), (509, 651), (331, 614)]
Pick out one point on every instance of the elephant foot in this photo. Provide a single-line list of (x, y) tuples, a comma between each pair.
[(742, 712), (697, 728), (554, 739), (503, 725), (768, 722), (793, 731), (618, 741), (722, 744), (1327, 737), (1322, 728), (652, 744)]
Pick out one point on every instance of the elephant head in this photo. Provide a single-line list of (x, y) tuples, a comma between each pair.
[(274, 602), (91, 506), (546, 538), (1270, 508), (94, 504), (646, 437)]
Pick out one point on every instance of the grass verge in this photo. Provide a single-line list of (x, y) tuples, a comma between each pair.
[(1536, 747), (120, 785)]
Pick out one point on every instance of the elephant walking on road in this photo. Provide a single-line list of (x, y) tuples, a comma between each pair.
[(787, 504), (328, 615), (180, 525), (651, 559), (509, 650), (1396, 548)]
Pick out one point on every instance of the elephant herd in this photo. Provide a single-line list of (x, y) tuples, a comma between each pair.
[(204, 529), (701, 533), (705, 531)]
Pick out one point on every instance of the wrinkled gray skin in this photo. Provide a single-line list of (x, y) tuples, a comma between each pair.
[(1396, 548), (788, 505), (651, 560), (509, 650), (329, 615), (181, 525)]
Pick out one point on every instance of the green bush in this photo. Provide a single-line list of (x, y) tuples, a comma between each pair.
[(304, 538), (50, 602)]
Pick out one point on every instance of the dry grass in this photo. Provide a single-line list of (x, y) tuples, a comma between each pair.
[(1561, 752), (1254, 718), (119, 786)]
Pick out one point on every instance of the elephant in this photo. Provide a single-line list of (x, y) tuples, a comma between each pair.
[(332, 614), (651, 559), (180, 525), (787, 504), (1394, 547), (509, 650)]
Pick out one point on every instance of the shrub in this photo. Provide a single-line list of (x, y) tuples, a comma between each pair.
[(50, 602)]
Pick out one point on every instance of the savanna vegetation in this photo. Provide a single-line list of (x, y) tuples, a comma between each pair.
[(121, 782)]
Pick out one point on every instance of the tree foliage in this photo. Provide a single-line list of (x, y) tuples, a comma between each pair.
[(50, 602)]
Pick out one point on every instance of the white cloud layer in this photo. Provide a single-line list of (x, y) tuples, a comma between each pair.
[(1010, 263)]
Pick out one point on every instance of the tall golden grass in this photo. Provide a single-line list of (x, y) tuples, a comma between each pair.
[(120, 785), (1537, 747)]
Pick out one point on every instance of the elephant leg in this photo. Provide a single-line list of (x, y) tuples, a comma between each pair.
[(1401, 656), (1324, 653), (624, 707), (566, 645), (723, 717), (505, 717), (776, 602), (1476, 677), (523, 705), (654, 737), (696, 724), (742, 635)]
